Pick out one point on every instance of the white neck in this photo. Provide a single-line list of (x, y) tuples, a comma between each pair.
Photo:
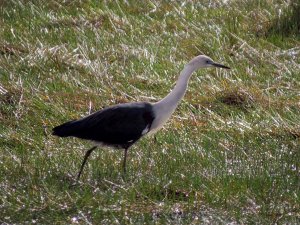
[(174, 97), (165, 107)]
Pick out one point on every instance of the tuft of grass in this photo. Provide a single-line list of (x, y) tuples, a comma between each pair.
[(287, 21), (230, 153)]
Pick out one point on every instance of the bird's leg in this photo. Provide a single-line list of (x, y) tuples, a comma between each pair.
[(87, 154), (124, 162)]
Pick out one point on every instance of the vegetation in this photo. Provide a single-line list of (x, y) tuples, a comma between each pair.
[(231, 151)]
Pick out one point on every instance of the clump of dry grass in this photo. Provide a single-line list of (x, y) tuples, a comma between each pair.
[(11, 103), (82, 22), (3, 91)]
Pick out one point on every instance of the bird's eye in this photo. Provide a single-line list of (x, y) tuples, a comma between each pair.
[(207, 61)]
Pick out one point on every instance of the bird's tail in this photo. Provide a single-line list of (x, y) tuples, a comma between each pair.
[(66, 129)]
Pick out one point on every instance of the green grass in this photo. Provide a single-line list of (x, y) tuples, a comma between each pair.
[(229, 154)]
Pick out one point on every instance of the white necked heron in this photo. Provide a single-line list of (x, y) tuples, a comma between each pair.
[(120, 126)]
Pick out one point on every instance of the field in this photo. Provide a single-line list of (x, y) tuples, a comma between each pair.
[(229, 154)]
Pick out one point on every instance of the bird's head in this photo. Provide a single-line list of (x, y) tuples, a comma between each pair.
[(202, 61)]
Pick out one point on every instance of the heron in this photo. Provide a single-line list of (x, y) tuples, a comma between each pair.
[(122, 125)]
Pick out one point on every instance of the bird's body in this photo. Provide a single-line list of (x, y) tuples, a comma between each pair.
[(117, 126), (122, 125)]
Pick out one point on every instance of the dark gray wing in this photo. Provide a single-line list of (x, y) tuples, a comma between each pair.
[(118, 125)]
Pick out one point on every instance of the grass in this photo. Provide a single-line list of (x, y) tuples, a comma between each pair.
[(230, 154)]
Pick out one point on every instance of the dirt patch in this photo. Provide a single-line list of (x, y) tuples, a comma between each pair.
[(238, 98), (9, 49)]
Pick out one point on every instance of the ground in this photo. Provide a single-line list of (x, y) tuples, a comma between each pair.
[(230, 153)]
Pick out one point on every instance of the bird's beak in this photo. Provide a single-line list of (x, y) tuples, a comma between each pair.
[(220, 65)]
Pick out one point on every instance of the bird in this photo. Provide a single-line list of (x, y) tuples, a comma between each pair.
[(122, 125)]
